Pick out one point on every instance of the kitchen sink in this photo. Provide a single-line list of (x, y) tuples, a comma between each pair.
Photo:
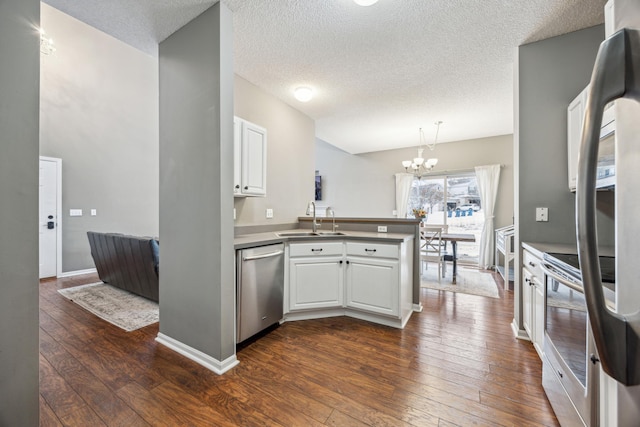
[(297, 234), (309, 233)]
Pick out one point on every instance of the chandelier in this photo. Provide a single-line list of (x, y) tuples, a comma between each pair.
[(419, 166)]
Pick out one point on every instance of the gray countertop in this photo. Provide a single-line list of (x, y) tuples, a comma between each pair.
[(260, 239)]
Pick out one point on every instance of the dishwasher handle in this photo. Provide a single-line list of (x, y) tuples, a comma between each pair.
[(262, 256)]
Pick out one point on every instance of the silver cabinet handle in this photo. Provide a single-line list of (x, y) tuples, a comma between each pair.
[(261, 256), (616, 75), (549, 271)]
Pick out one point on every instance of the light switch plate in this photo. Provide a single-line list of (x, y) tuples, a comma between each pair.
[(542, 214), (269, 213), (75, 212), (94, 212)]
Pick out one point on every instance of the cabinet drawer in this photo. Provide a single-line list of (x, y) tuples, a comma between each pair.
[(378, 250), (315, 249), (532, 263)]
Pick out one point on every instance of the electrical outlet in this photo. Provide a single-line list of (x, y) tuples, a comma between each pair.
[(234, 214), (94, 212), (394, 212), (382, 229), (269, 213), (542, 214)]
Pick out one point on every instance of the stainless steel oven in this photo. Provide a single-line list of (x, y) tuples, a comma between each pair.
[(571, 370)]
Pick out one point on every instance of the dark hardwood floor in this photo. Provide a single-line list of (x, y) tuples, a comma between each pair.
[(455, 364)]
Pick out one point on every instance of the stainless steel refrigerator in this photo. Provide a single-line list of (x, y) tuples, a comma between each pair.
[(616, 331)]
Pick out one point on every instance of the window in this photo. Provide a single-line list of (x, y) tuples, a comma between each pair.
[(452, 201)]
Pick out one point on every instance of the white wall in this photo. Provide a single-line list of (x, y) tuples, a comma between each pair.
[(363, 185), (290, 157), (99, 113)]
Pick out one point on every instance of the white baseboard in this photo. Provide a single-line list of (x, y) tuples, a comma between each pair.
[(417, 308), (518, 333), (77, 272), (215, 365)]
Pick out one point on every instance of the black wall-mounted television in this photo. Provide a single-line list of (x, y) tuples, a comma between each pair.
[(318, 187)]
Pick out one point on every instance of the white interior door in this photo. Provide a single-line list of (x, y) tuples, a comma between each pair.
[(48, 220)]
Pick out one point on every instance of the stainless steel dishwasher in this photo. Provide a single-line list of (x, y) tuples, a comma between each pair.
[(260, 289)]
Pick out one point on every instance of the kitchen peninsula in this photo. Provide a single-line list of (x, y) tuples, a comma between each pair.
[(356, 271)]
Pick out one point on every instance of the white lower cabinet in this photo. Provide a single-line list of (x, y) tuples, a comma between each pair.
[(316, 276), (533, 296), (316, 282), (372, 281)]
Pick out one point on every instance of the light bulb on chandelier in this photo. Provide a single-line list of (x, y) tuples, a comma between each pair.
[(419, 166)]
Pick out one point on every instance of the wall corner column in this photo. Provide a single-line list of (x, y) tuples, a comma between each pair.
[(197, 285)]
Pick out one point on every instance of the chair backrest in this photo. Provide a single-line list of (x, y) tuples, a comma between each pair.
[(430, 240)]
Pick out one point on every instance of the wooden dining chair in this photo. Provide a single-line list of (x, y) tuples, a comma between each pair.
[(431, 248)]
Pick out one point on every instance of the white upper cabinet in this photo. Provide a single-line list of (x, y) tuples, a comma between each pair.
[(250, 159), (575, 117)]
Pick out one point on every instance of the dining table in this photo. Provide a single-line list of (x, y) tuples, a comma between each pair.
[(454, 238)]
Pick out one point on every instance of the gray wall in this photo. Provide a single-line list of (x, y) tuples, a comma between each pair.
[(290, 157), (548, 75), (551, 74), (19, 212), (99, 113), (363, 185), (197, 286)]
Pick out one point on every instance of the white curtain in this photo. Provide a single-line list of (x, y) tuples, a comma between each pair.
[(488, 178), (403, 188)]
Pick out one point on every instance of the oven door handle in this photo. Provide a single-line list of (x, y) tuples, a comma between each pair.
[(616, 74), (549, 271)]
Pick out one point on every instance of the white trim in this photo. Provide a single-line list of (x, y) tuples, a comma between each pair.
[(394, 322), (58, 163), (219, 367), (77, 272), (417, 307), (294, 316), (518, 333)]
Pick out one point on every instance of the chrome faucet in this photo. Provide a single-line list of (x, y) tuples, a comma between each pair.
[(312, 207), (328, 212)]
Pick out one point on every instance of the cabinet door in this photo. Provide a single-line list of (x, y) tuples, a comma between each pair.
[(538, 315), (316, 283), (373, 285), (254, 159), (527, 312), (237, 156), (575, 117)]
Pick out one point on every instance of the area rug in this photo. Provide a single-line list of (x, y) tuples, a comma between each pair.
[(119, 307), (469, 281)]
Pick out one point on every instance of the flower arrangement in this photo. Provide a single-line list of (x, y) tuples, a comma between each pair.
[(420, 213)]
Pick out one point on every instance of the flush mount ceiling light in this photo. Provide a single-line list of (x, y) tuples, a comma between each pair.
[(365, 2), (419, 166), (303, 93)]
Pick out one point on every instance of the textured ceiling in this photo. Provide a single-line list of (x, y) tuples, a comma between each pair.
[(379, 72)]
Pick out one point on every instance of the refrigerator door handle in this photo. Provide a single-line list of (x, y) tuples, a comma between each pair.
[(616, 75)]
